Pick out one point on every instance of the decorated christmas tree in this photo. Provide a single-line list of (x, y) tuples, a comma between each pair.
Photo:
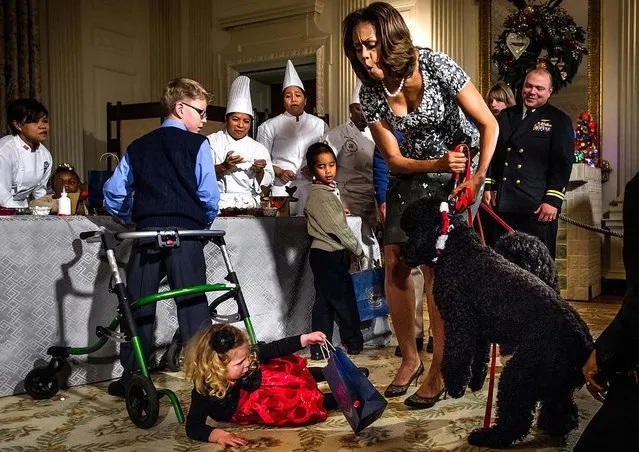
[(586, 150)]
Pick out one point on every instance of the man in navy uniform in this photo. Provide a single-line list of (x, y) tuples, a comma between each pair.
[(527, 180)]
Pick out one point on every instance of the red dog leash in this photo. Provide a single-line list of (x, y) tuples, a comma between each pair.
[(464, 199)]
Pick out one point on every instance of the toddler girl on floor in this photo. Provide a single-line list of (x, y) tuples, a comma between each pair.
[(236, 383)]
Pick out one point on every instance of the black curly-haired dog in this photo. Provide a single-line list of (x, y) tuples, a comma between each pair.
[(531, 254), (484, 298)]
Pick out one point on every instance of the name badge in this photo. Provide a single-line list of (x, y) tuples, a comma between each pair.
[(349, 145), (542, 126)]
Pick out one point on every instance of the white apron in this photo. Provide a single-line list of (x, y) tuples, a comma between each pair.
[(239, 186), (287, 138)]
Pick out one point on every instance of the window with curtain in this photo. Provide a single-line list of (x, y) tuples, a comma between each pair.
[(19, 53)]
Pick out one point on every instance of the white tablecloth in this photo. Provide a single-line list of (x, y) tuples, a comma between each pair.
[(53, 288)]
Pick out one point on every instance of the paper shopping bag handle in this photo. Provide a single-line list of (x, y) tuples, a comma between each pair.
[(107, 155)]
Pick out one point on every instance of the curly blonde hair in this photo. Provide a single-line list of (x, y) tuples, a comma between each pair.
[(182, 88), (205, 367)]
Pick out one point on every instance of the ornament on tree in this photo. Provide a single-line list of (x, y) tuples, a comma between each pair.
[(517, 44), (586, 150)]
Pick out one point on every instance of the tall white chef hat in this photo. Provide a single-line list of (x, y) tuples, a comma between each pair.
[(355, 96), (291, 78), (240, 96)]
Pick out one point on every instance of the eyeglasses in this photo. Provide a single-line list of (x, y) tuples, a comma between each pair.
[(199, 111)]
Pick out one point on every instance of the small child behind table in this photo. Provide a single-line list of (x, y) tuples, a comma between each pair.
[(228, 377), (329, 256)]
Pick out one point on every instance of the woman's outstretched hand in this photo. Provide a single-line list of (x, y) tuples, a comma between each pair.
[(314, 338)]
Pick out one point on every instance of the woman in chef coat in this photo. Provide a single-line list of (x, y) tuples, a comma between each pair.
[(287, 137), (25, 164), (242, 165)]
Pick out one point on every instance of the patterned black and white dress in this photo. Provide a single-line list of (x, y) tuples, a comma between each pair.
[(436, 126)]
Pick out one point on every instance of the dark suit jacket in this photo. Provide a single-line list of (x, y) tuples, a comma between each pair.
[(618, 346), (532, 160)]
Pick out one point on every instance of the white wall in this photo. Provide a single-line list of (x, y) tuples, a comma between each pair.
[(115, 64), (260, 95), (96, 51), (610, 37)]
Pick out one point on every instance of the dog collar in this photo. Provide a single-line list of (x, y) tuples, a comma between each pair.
[(446, 228)]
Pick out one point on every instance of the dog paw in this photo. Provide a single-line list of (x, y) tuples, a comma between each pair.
[(492, 437), (477, 380), (476, 385), (558, 426), (456, 391)]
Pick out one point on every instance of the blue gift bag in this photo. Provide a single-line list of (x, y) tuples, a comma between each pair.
[(368, 286), (96, 181), (356, 396)]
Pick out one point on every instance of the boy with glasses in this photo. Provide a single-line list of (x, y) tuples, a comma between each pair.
[(170, 170)]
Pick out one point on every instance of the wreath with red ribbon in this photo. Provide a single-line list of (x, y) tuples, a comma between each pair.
[(539, 36)]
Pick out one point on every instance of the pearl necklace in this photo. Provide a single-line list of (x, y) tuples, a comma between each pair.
[(396, 93)]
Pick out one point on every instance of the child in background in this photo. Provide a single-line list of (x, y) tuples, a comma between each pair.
[(63, 178), (234, 383), (329, 256)]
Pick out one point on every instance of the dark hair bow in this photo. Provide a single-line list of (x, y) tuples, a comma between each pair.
[(223, 341)]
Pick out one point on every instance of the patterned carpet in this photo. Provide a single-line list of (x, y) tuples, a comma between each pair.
[(87, 419)]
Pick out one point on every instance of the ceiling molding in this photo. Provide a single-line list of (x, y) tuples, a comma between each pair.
[(257, 11)]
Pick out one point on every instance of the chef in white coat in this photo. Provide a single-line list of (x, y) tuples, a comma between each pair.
[(242, 165), (287, 137), (354, 148), (25, 163)]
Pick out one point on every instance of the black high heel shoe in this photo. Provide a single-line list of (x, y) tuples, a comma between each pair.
[(419, 402), (399, 390)]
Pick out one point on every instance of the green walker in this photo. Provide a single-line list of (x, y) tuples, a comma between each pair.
[(142, 398)]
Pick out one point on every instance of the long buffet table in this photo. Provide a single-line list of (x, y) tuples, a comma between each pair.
[(53, 288)]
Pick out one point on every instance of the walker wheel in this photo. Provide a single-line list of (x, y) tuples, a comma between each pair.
[(41, 383), (174, 356), (142, 401)]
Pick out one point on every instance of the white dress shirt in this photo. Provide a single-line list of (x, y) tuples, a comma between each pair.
[(287, 137)]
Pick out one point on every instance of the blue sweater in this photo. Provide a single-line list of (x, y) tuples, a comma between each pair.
[(380, 172)]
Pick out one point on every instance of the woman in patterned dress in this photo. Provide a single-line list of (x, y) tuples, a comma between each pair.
[(431, 101)]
